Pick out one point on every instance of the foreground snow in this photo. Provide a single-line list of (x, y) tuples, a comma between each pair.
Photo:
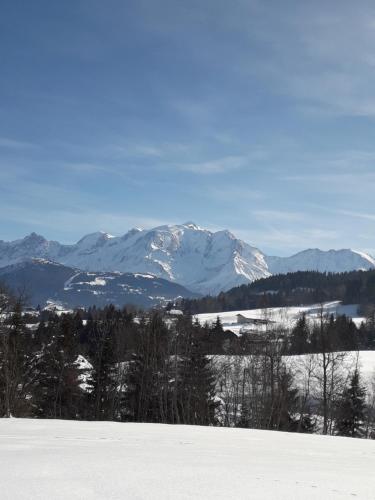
[(43, 459)]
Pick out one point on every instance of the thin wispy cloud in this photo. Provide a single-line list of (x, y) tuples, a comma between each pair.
[(218, 166), (91, 219), (148, 151), (326, 60), (233, 194), (357, 215), (85, 167), (278, 215), (289, 241), (8, 143), (356, 182)]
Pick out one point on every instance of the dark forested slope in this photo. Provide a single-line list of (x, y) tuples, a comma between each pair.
[(304, 287)]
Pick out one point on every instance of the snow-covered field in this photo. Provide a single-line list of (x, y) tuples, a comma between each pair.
[(65, 460), (281, 316)]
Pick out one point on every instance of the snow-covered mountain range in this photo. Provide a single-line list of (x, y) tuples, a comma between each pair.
[(203, 261)]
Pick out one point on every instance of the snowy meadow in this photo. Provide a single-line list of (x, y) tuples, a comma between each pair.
[(60, 460)]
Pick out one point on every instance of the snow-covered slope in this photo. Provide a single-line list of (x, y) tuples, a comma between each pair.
[(60, 460), (281, 317), (335, 261), (203, 261)]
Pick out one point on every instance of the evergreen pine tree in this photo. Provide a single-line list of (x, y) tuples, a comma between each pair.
[(198, 395), (351, 409), (101, 340), (57, 392), (217, 327), (299, 339), (306, 424)]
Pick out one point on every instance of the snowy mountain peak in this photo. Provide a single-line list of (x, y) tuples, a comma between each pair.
[(135, 230), (201, 260), (94, 238), (323, 261), (33, 239), (192, 225)]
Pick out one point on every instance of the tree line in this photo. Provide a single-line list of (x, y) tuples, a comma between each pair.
[(292, 289), (118, 365)]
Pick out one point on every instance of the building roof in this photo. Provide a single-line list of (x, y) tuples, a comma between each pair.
[(255, 320)]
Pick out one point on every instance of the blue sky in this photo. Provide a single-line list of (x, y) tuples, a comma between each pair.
[(248, 115)]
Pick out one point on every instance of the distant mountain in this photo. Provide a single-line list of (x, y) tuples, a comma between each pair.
[(42, 280), (335, 261), (203, 261)]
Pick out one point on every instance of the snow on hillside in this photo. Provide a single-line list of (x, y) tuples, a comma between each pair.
[(203, 261), (285, 317), (60, 460)]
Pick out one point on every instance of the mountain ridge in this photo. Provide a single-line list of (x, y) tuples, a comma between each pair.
[(314, 259), (201, 260), (41, 280)]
